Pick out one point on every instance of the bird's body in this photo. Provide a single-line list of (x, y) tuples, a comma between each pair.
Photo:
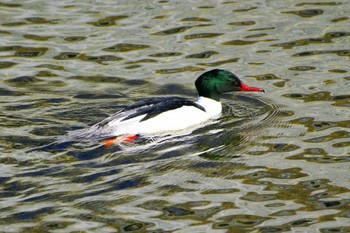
[(156, 116)]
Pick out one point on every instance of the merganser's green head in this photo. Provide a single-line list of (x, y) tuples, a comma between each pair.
[(215, 82)]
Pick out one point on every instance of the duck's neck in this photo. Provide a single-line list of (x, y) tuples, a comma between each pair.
[(211, 106)]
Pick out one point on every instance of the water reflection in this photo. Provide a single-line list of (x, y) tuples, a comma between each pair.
[(271, 163)]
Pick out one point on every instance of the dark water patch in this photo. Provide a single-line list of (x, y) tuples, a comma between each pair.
[(318, 96), (66, 56), (23, 81), (283, 174), (94, 176), (141, 61), (332, 35), (91, 96), (43, 197), (206, 7), (327, 38), (160, 17), (205, 54), (174, 89), (318, 155), (281, 147), (256, 35), (246, 9), (108, 21), (6, 64), (183, 210), (202, 35), (314, 125), (21, 142), (306, 13), (52, 67), (339, 229), (239, 42), (302, 42), (242, 23), (273, 229), (49, 226), (132, 67), (265, 77), (318, 3), (75, 38), (177, 211), (14, 24), (40, 20), (20, 51), (45, 73), (36, 37), (99, 59), (280, 84), (341, 144), (302, 68), (98, 79), (118, 224), (261, 29), (220, 191), (302, 222), (8, 92), (334, 204), (336, 20), (257, 197), (12, 5), (136, 82), (165, 54), (168, 190), (126, 47), (196, 19), (342, 53), (41, 171), (30, 215), (330, 137), (50, 131), (179, 70), (172, 31), (239, 220), (218, 63), (5, 32), (339, 71)]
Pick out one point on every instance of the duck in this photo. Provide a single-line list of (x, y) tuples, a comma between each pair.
[(161, 115)]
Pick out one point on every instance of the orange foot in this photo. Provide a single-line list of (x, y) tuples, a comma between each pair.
[(127, 138)]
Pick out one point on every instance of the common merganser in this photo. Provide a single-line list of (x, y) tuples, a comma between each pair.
[(159, 115)]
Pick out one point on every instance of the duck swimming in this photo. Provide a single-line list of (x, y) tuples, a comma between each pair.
[(156, 116)]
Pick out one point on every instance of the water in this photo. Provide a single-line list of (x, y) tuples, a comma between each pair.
[(277, 162)]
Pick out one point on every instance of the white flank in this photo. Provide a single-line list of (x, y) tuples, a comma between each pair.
[(177, 119)]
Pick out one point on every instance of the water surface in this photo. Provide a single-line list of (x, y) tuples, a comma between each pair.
[(277, 162)]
